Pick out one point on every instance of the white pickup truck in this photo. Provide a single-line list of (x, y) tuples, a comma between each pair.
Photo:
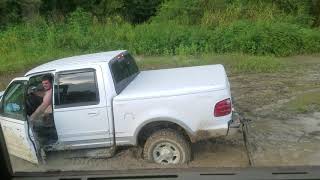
[(102, 100)]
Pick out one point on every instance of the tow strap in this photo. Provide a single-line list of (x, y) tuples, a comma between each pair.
[(245, 132)]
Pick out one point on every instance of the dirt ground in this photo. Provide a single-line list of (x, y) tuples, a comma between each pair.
[(278, 135)]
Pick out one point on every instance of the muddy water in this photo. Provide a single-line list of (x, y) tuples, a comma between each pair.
[(277, 137)]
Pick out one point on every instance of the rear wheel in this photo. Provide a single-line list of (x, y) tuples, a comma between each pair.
[(167, 146)]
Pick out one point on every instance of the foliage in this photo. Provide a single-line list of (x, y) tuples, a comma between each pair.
[(258, 64), (134, 11), (181, 12), (207, 12), (36, 31), (235, 63), (212, 13), (38, 41)]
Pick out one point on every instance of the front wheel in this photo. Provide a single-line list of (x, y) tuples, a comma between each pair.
[(167, 146)]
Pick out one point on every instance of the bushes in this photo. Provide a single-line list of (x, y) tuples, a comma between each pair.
[(259, 38), (279, 39), (186, 12), (36, 42), (160, 39), (311, 39)]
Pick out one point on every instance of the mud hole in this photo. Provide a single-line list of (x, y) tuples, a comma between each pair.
[(277, 136)]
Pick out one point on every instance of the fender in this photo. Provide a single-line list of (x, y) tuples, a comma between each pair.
[(158, 119)]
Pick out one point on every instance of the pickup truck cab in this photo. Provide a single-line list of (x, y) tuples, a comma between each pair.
[(102, 100)]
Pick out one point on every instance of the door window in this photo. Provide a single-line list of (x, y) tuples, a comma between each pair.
[(77, 88), (13, 101)]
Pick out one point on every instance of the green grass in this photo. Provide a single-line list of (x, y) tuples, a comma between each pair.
[(253, 64), (234, 63), (306, 103)]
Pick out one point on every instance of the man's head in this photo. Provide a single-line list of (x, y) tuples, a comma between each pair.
[(47, 82)]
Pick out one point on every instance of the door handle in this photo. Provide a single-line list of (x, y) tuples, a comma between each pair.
[(93, 113)]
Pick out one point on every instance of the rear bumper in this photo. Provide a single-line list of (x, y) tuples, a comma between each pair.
[(232, 128)]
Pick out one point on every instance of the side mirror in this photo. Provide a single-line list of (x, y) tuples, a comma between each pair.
[(1, 94)]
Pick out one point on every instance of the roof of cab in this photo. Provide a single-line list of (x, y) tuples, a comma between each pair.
[(75, 60)]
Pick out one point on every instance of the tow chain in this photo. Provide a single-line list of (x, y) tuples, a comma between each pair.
[(245, 132)]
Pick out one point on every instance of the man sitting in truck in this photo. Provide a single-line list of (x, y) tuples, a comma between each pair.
[(42, 118), (45, 109)]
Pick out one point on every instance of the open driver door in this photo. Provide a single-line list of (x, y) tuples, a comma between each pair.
[(14, 123)]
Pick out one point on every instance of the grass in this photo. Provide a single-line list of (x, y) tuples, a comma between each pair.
[(306, 103), (234, 63)]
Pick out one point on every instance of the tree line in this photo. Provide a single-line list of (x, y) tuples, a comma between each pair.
[(133, 11), (137, 11)]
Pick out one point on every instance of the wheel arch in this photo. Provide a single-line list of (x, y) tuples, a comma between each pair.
[(148, 127)]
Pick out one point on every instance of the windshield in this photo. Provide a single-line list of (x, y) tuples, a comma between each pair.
[(160, 84)]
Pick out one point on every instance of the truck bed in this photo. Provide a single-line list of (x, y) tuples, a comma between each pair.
[(176, 81)]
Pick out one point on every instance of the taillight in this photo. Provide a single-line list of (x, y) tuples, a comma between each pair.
[(222, 108)]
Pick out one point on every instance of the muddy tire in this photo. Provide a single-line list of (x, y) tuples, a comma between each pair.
[(167, 146)]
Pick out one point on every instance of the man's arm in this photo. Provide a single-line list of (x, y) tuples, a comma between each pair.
[(45, 103)]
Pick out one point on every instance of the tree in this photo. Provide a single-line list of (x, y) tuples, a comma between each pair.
[(316, 13), (29, 8), (139, 11), (9, 12)]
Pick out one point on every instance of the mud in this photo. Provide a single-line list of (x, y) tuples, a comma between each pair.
[(277, 137), (294, 141)]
